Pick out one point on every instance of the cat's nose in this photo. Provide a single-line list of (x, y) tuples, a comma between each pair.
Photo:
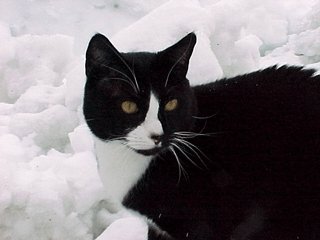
[(156, 138)]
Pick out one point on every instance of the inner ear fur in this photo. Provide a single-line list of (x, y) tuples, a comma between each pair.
[(179, 54), (100, 54)]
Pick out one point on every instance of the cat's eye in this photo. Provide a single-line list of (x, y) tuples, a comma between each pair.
[(129, 107), (171, 105)]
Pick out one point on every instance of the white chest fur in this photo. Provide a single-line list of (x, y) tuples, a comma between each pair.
[(119, 167)]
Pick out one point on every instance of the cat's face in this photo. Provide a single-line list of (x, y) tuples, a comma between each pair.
[(140, 99)]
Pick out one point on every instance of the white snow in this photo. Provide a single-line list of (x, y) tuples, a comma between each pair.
[(49, 184), (119, 230)]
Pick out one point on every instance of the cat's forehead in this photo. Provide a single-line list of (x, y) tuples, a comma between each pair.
[(152, 72), (139, 61), (146, 70)]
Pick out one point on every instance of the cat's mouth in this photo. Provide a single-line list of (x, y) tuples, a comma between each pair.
[(149, 145), (150, 152)]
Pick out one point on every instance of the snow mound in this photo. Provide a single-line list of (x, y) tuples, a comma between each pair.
[(130, 228), (49, 185)]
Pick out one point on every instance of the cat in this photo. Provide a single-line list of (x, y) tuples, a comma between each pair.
[(237, 158)]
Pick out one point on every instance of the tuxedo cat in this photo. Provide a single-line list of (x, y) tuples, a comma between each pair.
[(236, 159)]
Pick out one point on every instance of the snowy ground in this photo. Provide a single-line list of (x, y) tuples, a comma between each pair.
[(49, 186)]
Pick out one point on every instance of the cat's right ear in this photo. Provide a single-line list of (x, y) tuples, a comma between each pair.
[(179, 54), (100, 54)]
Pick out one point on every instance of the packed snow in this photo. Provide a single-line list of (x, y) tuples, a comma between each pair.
[(49, 185)]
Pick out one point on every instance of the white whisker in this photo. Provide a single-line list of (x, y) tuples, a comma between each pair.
[(180, 167), (190, 134), (180, 149), (117, 70), (205, 117), (194, 149), (179, 59), (92, 119), (124, 62), (123, 74), (134, 75), (126, 81)]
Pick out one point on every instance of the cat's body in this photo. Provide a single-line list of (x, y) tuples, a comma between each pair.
[(250, 166)]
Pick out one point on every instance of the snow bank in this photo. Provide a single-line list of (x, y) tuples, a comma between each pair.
[(49, 186), (120, 230)]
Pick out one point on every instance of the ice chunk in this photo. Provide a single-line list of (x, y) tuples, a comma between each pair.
[(23, 228), (204, 65), (80, 170), (52, 51), (11, 148), (75, 81), (40, 97), (302, 49), (131, 228), (38, 60), (81, 139), (6, 108), (280, 56), (7, 49), (275, 28), (306, 45), (247, 54), (51, 126)]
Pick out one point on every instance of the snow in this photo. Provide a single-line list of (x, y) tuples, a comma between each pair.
[(49, 185), (119, 230)]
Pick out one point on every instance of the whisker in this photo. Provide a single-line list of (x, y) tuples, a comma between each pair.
[(92, 119), (117, 70), (126, 81), (194, 149), (119, 138), (123, 74), (171, 69), (137, 142), (134, 75), (124, 62), (191, 134), (175, 145), (180, 167), (205, 117), (136, 139), (115, 139)]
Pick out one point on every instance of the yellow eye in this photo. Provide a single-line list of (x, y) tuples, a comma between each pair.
[(129, 107), (171, 105)]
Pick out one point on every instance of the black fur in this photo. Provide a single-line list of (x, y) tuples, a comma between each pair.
[(258, 176)]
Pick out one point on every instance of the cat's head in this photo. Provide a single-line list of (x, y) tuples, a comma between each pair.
[(141, 99)]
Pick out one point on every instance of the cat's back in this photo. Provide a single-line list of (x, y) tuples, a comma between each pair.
[(266, 139), (281, 103), (265, 129)]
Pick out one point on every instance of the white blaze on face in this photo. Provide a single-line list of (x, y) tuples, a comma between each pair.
[(141, 137), (121, 167)]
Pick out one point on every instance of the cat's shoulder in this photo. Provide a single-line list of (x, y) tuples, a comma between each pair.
[(275, 77)]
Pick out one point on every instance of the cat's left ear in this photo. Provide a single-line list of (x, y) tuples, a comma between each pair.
[(100, 53), (179, 54)]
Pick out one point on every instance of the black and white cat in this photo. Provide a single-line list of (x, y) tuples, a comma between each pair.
[(237, 159)]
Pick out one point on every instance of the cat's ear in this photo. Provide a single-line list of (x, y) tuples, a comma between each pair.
[(100, 53), (179, 54)]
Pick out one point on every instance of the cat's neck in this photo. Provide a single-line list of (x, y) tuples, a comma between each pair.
[(119, 167)]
